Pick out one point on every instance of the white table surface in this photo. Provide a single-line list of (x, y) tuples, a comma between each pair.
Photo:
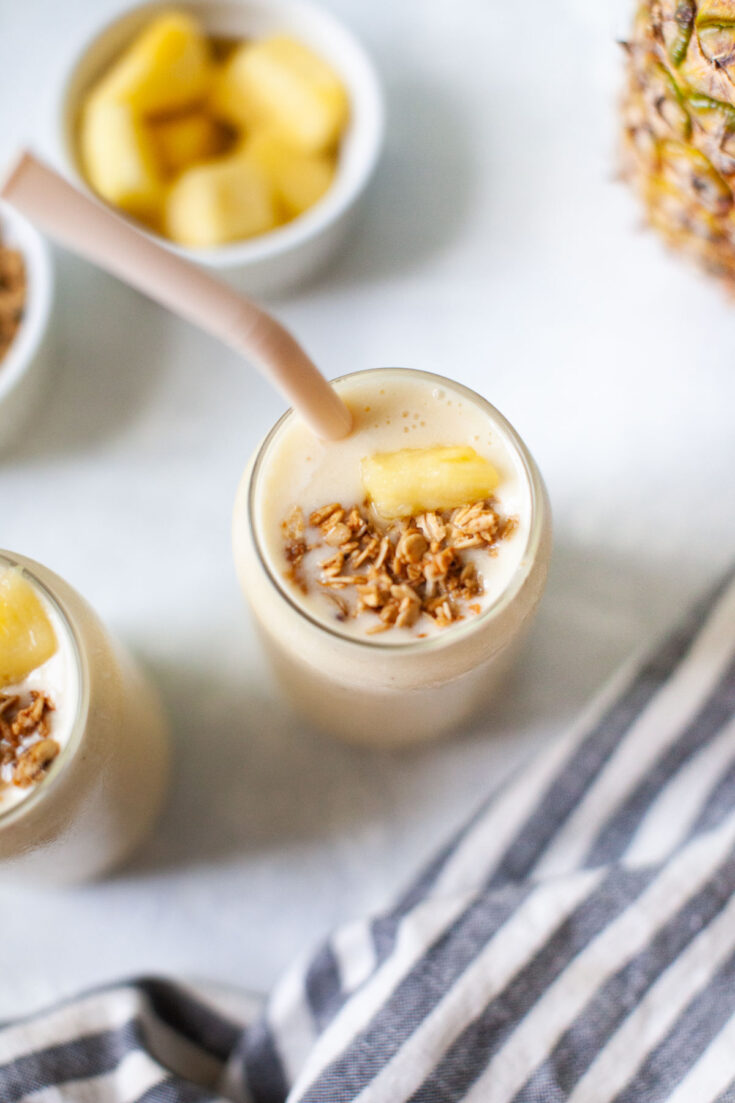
[(497, 246)]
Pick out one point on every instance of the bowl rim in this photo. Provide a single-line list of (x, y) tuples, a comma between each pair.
[(306, 227), (39, 296)]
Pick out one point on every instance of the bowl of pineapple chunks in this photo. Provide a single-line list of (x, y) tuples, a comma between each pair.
[(240, 133)]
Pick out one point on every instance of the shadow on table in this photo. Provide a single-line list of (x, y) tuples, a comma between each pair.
[(250, 778)]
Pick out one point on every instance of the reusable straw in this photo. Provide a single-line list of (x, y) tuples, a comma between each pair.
[(92, 230)]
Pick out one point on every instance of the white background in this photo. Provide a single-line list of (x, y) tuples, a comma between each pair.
[(496, 246)]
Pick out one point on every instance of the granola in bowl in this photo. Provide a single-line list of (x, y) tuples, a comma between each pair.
[(13, 292)]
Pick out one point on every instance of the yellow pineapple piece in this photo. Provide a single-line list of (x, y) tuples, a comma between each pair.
[(282, 82), (167, 67), (229, 99), (414, 480), (222, 201), (27, 637), (299, 179), (186, 140), (119, 158)]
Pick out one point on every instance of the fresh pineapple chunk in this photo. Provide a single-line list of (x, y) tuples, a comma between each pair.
[(119, 158), (186, 140), (222, 201), (299, 179), (27, 637), (414, 480), (281, 82), (167, 68), (229, 99)]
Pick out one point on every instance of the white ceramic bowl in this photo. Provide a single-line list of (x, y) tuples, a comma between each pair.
[(23, 368), (290, 253)]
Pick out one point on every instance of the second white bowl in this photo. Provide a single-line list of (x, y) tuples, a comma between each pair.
[(289, 254)]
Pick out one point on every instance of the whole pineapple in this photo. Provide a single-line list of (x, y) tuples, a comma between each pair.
[(679, 114)]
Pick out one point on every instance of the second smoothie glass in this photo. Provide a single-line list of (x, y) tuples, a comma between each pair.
[(107, 786), (365, 690)]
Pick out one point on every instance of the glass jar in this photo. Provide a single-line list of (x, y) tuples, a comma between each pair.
[(365, 689), (106, 786)]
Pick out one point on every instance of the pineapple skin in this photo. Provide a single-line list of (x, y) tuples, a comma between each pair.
[(679, 126)]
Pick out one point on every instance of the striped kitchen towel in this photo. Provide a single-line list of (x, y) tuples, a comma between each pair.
[(576, 942)]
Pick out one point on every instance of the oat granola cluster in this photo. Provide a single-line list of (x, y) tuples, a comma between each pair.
[(411, 567), (12, 295), (26, 751)]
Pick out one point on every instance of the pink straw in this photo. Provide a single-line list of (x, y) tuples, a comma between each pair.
[(95, 232)]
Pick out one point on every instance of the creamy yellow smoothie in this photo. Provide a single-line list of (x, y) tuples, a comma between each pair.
[(391, 628), (83, 741)]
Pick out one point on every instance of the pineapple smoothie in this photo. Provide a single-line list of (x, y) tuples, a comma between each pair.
[(83, 742), (391, 573), (406, 432), (39, 687)]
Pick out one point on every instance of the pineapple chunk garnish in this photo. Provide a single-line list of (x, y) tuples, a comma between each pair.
[(27, 637), (186, 140), (414, 480), (167, 68), (280, 82), (222, 201), (119, 158), (299, 179)]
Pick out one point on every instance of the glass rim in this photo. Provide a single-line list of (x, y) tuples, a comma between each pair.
[(58, 767), (458, 632)]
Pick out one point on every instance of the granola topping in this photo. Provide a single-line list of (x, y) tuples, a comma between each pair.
[(398, 573), (26, 747)]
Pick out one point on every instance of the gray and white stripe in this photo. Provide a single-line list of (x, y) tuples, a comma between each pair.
[(575, 942)]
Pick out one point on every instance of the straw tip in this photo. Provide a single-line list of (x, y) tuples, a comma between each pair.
[(343, 423), (335, 423)]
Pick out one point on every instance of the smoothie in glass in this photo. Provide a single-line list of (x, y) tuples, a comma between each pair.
[(83, 741), (389, 621)]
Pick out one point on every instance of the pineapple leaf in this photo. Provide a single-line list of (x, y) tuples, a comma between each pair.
[(689, 170), (669, 99)]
